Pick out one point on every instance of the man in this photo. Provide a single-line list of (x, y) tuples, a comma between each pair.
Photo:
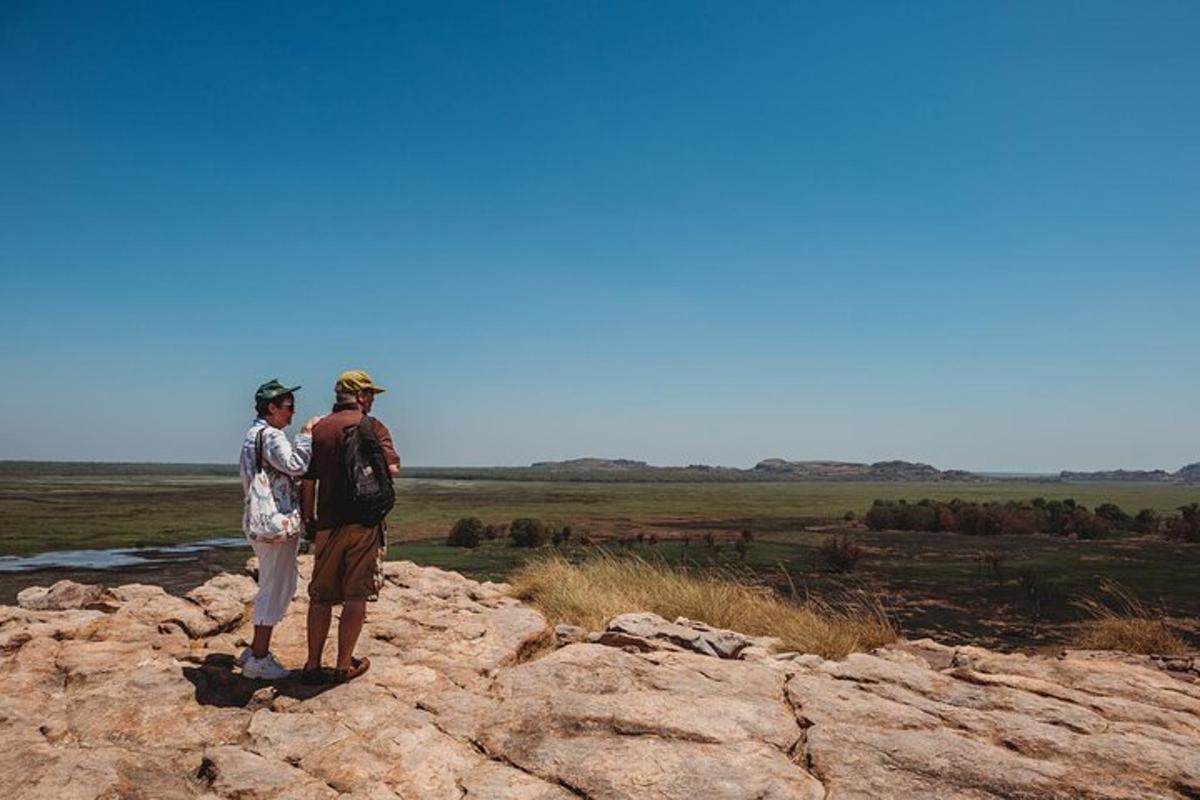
[(348, 555)]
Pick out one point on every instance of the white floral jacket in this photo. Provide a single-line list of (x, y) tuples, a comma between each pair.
[(284, 461)]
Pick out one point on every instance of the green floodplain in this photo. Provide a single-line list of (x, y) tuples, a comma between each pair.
[(1008, 591)]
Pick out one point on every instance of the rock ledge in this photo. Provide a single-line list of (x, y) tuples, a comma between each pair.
[(132, 693)]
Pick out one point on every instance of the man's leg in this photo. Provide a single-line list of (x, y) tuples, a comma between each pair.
[(319, 617), (354, 612)]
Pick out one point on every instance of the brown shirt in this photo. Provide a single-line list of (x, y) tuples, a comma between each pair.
[(326, 465)]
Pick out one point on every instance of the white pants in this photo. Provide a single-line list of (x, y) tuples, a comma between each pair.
[(277, 576)]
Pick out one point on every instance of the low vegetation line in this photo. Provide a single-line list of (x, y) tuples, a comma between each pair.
[(593, 591)]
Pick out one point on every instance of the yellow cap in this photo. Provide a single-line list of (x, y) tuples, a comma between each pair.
[(356, 380)]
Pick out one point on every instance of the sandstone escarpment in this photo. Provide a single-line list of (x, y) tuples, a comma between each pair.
[(131, 692)]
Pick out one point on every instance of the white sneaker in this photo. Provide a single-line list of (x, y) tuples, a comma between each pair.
[(265, 668)]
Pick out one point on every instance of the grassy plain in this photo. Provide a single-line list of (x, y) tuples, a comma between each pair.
[(42, 511), (936, 583)]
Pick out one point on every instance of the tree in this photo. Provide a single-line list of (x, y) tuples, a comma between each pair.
[(527, 532), (465, 533), (1146, 521), (1114, 514), (1187, 525)]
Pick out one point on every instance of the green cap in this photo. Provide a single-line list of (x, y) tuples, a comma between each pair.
[(272, 389)]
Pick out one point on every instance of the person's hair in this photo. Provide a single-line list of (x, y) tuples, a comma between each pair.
[(261, 406), (346, 397)]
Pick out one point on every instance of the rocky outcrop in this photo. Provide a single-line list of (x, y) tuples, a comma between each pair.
[(1119, 475), (1189, 473), (854, 471), (590, 464), (132, 693)]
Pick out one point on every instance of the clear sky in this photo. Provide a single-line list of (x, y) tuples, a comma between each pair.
[(962, 233)]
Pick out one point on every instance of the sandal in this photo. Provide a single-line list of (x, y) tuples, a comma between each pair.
[(357, 667)]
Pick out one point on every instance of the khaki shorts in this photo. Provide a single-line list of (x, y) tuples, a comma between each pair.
[(347, 564)]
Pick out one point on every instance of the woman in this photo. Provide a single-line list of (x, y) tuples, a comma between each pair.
[(266, 448)]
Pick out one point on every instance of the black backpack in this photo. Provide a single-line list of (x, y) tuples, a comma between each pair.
[(369, 491)]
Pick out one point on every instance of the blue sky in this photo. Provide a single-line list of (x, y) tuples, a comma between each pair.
[(961, 233)]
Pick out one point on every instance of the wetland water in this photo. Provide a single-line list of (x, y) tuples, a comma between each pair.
[(177, 568), (116, 557)]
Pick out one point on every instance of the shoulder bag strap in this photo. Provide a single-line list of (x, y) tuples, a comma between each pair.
[(258, 445)]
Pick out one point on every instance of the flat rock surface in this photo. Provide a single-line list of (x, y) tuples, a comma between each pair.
[(129, 692)]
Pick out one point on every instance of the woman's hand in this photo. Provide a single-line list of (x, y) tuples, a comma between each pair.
[(308, 424)]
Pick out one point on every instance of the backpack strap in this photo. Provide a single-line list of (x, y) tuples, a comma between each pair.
[(258, 445)]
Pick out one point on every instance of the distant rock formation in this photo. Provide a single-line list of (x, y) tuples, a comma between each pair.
[(131, 692), (1135, 475), (1187, 474), (854, 471), (586, 464)]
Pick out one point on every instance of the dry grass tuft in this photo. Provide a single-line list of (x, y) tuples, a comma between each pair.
[(591, 593), (1126, 624)]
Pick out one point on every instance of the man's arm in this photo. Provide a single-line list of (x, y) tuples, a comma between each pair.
[(389, 448), (308, 497)]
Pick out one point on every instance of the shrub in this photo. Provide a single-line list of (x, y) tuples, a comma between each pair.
[(465, 533), (848, 516), (591, 593), (840, 554), (1147, 521), (879, 516), (747, 535), (1038, 593), (1126, 624), (1115, 515), (1085, 525), (1187, 525), (991, 563), (743, 547), (527, 532), (491, 532)]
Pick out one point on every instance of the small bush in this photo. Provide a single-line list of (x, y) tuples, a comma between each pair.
[(841, 554), (1187, 525), (743, 547), (527, 532), (1115, 515), (1126, 624), (1147, 521), (491, 532), (466, 533), (849, 516), (991, 563)]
